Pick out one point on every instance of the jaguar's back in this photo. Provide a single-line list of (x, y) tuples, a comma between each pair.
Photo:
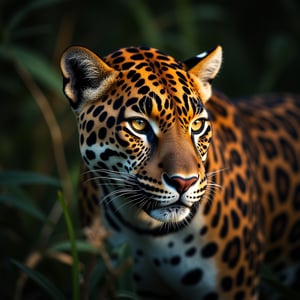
[(203, 190), (273, 122)]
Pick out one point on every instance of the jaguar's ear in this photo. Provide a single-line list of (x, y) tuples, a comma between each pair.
[(205, 67), (85, 76)]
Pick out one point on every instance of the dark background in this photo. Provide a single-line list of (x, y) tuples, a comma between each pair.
[(261, 43)]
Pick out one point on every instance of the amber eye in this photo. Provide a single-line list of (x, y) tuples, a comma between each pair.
[(198, 126), (139, 124)]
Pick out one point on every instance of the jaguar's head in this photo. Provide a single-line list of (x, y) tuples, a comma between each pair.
[(144, 131)]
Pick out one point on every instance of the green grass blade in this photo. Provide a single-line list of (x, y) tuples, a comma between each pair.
[(41, 280), (147, 23), (75, 266), (81, 245), (26, 178), (23, 205), (187, 26), (126, 295), (97, 276), (38, 66)]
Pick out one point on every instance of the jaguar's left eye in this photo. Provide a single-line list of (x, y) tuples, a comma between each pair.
[(198, 126)]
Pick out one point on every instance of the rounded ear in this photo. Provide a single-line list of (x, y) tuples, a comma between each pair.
[(85, 76), (205, 67)]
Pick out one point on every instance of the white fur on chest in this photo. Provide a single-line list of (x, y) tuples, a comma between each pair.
[(173, 264)]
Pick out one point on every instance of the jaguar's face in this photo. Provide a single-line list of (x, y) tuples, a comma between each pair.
[(145, 133)]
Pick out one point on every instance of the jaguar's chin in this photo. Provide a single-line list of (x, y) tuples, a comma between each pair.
[(174, 213), (171, 214)]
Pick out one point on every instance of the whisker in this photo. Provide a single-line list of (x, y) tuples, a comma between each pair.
[(134, 202), (114, 193), (105, 178), (117, 184), (103, 174), (214, 185), (97, 172), (212, 173)]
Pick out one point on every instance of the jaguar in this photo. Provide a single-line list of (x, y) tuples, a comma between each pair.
[(206, 190)]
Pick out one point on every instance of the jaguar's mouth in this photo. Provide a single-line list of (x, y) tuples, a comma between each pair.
[(172, 213)]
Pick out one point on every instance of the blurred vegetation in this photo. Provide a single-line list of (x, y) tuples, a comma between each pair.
[(261, 42)]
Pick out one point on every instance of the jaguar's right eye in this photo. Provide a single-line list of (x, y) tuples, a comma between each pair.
[(140, 125)]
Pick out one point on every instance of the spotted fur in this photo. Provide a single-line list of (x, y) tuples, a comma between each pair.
[(204, 189)]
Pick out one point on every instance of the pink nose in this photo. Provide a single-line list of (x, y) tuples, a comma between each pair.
[(181, 184)]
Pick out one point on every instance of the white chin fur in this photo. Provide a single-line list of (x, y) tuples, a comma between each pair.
[(171, 214)]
